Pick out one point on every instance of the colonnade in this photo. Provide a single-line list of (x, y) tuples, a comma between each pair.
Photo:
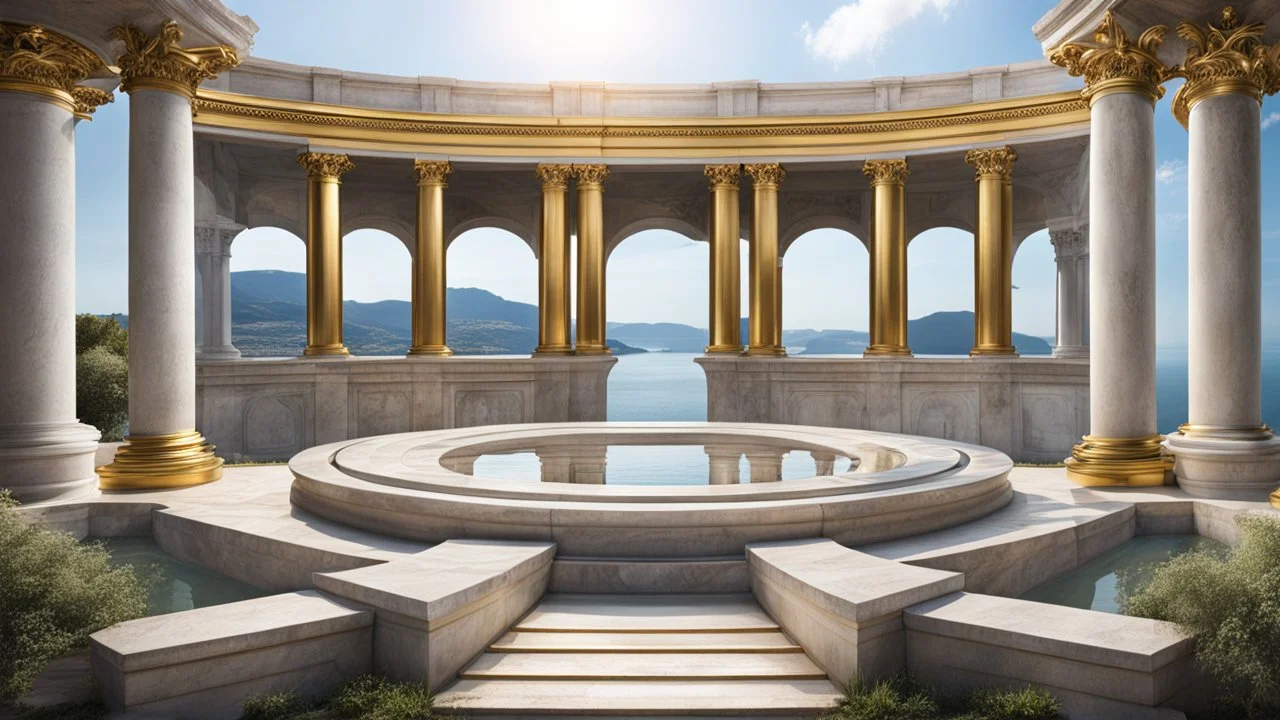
[(1223, 450)]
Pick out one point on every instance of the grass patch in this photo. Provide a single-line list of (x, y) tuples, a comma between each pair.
[(86, 710), (367, 697), (902, 698)]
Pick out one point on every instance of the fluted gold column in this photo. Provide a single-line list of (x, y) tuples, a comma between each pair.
[(591, 297), (765, 324), (888, 257), (324, 252), (725, 321), (993, 252), (553, 262), (428, 312)]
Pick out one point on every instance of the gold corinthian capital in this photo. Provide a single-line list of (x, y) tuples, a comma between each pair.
[(1114, 63), (727, 175), (886, 172), (765, 174), (322, 166), (554, 176), (42, 62), (992, 162), (1229, 57), (591, 175), (432, 172), (160, 63)]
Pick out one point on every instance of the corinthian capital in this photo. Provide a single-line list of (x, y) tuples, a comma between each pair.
[(591, 174), (325, 166), (554, 176), (88, 99), (1113, 62), (723, 174), (161, 63), (886, 172), (33, 59), (431, 172), (1228, 57), (766, 174), (996, 162), (1068, 244)]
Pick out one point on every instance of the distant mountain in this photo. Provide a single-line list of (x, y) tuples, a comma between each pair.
[(671, 337)]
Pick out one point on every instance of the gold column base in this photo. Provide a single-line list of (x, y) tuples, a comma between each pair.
[(1225, 432), (1275, 499), (766, 351), (338, 350), (592, 350), (887, 351), (993, 350), (722, 349), (156, 462), (430, 351), (553, 350), (1119, 462)]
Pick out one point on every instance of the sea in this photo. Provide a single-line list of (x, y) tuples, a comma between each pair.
[(671, 386)]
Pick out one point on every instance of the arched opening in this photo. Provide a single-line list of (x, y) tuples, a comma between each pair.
[(491, 305), (376, 291), (1035, 297), (940, 294), (268, 293), (825, 293)]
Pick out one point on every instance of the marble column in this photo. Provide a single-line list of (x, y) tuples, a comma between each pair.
[(428, 317), (213, 263), (993, 252), (591, 296), (324, 253), (553, 262), (888, 258), (1224, 450), (45, 452), (1122, 83), (163, 448), (1071, 253), (725, 320), (765, 322)]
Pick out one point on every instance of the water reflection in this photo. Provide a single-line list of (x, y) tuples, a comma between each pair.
[(180, 586), (592, 464)]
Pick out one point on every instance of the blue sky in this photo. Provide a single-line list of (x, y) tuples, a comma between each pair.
[(661, 41)]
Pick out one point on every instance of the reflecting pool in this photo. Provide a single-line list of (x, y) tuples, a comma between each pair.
[(183, 586)]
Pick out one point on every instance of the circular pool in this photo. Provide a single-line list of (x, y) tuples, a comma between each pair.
[(650, 489)]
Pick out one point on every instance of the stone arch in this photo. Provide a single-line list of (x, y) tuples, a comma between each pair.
[(395, 227), (803, 226), (670, 224), (510, 225)]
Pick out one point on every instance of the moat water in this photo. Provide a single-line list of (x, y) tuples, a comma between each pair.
[(180, 586)]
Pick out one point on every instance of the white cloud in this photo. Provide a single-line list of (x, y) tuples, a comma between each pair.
[(1270, 120), (1170, 170), (861, 28)]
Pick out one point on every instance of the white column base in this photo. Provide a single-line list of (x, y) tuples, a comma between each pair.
[(1071, 351), (48, 461), (216, 354), (1226, 469)]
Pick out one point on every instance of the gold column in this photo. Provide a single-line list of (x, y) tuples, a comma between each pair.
[(765, 324), (324, 252), (553, 263), (993, 252), (428, 312), (591, 297), (888, 258), (726, 333)]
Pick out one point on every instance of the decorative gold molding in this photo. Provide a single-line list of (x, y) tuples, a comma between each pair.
[(723, 175), (432, 172), (1114, 63), (43, 62), (992, 162), (491, 135), (1118, 462), (88, 99), (161, 63), (592, 175), (886, 172), (153, 462), (1225, 58), (554, 176), (766, 174), (325, 166)]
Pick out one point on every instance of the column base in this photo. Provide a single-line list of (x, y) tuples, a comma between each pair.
[(47, 461), (338, 350), (553, 351), (1118, 462), (592, 350), (722, 349), (1237, 464), (766, 351), (429, 351), (155, 462), (993, 351), (887, 351), (1071, 351), (217, 354)]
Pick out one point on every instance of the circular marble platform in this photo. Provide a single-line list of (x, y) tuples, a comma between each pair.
[(408, 486)]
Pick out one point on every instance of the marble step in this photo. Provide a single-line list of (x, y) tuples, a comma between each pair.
[(650, 698), (709, 613), (643, 666), (653, 642)]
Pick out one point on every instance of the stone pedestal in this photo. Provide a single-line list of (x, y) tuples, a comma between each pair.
[(213, 263)]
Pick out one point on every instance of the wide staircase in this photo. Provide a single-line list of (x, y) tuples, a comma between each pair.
[(648, 655)]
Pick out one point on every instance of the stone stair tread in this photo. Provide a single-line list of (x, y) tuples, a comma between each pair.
[(608, 642), (647, 613), (649, 697), (643, 666)]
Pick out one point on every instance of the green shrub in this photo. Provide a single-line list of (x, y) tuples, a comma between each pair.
[(86, 710), (281, 706), (902, 698), (1231, 603), (55, 593), (367, 697), (93, 331), (102, 391), (1026, 704)]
